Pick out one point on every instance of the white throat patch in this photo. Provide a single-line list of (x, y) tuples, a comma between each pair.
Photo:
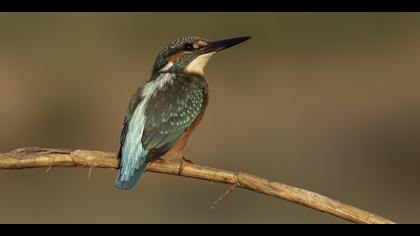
[(198, 64)]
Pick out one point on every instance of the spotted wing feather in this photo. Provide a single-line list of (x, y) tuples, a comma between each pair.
[(169, 113)]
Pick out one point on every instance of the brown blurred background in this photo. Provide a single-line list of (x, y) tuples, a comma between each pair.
[(327, 102)]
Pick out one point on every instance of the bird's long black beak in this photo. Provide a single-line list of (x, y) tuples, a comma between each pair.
[(219, 45)]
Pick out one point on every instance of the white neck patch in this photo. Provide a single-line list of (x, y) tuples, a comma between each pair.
[(167, 66), (198, 64)]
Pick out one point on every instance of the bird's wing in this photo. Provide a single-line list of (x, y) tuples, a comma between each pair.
[(169, 113), (133, 156), (135, 100)]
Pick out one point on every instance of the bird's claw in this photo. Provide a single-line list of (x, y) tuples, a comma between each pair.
[(184, 163)]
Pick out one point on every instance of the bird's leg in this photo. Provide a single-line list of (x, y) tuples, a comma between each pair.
[(184, 163)]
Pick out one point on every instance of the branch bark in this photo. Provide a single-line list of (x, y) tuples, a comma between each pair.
[(45, 157)]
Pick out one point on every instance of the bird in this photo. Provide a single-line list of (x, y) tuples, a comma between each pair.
[(164, 110)]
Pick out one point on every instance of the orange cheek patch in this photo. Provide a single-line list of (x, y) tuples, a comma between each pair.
[(176, 56), (200, 44)]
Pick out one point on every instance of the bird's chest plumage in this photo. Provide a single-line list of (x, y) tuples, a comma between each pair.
[(170, 105)]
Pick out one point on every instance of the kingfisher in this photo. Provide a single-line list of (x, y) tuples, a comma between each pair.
[(165, 110)]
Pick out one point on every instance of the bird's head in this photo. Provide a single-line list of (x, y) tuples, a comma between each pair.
[(190, 54)]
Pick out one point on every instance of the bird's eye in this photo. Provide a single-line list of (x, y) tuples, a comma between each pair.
[(188, 47)]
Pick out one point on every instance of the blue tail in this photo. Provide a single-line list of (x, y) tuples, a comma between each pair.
[(131, 181), (132, 168)]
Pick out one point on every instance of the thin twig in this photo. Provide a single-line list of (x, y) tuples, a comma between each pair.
[(50, 166), (90, 172), (41, 157), (224, 196), (227, 193)]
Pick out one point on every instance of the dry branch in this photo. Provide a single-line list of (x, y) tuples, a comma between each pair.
[(43, 157)]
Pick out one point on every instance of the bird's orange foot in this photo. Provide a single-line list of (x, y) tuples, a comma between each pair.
[(186, 160), (184, 163)]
